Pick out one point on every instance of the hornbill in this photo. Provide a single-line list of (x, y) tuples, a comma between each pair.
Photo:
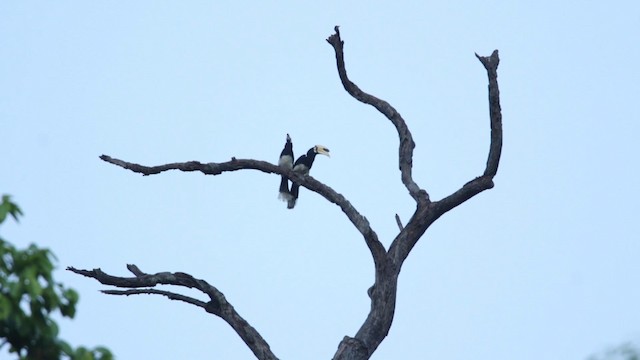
[(285, 161), (302, 166)]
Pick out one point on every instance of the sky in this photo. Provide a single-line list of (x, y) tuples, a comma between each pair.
[(543, 266)]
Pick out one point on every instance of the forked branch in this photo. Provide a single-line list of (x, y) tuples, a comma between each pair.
[(387, 263), (383, 292), (217, 305), (427, 212), (425, 216)]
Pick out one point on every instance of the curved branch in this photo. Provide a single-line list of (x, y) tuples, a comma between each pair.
[(485, 181), (495, 112), (425, 216), (360, 222), (405, 151), (383, 293), (218, 304)]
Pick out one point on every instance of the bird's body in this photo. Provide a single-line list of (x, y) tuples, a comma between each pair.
[(302, 167), (285, 161)]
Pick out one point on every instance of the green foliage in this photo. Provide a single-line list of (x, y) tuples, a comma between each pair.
[(7, 207), (28, 295), (622, 352)]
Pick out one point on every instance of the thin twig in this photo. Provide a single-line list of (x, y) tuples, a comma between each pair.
[(399, 222)]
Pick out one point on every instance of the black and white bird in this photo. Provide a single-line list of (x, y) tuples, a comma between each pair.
[(302, 166), (285, 161)]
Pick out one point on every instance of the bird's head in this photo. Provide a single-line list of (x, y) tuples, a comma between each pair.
[(288, 138), (319, 149)]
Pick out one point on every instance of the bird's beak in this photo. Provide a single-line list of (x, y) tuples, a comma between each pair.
[(323, 150)]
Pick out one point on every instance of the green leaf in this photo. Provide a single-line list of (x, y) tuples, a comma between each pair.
[(7, 207), (50, 299), (71, 296), (65, 348), (82, 353), (68, 309), (53, 328), (15, 290), (4, 209), (102, 353), (5, 307), (32, 285)]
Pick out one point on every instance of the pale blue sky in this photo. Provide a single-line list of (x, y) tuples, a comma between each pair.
[(543, 266)]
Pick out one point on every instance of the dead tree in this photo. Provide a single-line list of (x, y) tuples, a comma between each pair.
[(387, 262)]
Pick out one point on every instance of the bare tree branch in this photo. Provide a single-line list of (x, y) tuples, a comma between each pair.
[(387, 263), (134, 269), (383, 292), (495, 112), (168, 294), (217, 304), (360, 222), (485, 181), (425, 216), (406, 140), (399, 222)]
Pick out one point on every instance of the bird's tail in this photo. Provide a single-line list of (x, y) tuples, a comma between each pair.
[(293, 196), (284, 193)]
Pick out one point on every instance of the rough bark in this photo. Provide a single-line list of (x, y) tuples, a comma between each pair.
[(388, 263), (383, 294), (217, 305)]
